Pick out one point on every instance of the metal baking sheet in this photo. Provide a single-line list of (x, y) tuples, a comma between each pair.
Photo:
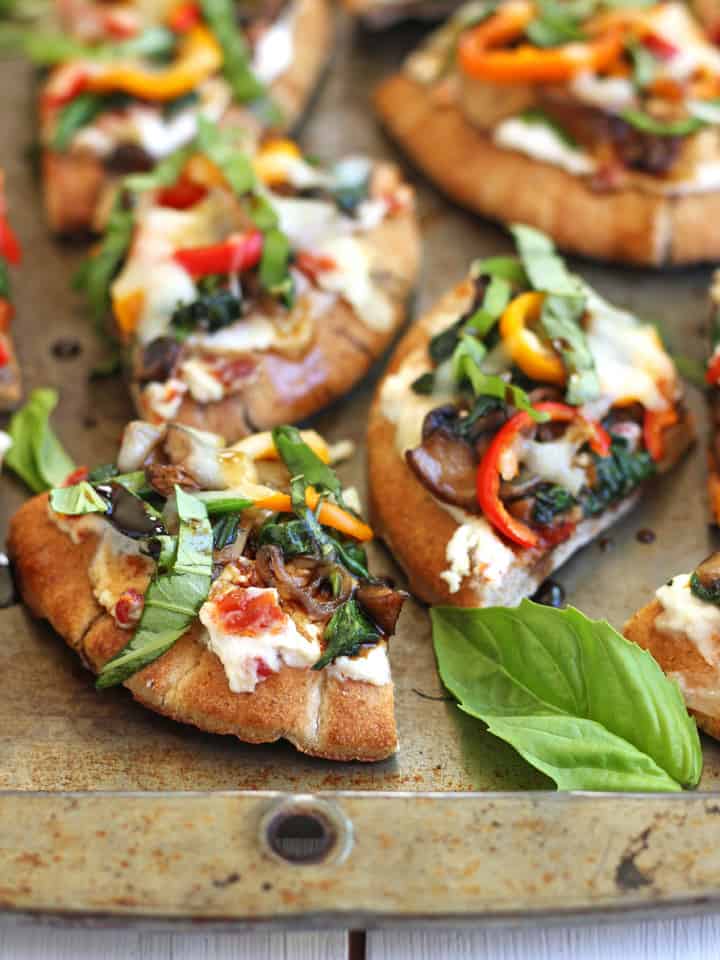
[(450, 817)]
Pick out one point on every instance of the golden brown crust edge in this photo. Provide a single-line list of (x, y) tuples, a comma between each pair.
[(320, 715), (674, 653), (626, 225), (288, 390), (312, 36), (417, 529)]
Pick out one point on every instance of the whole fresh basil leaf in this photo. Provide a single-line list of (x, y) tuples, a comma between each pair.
[(36, 454), (581, 754), (78, 499), (538, 662), (560, 320), (173, 599), (346, 633), (545, 269)]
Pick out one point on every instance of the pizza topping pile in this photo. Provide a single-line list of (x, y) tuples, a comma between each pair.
[(258, 541), (538, 406), (130, 91), (604, 92), (216, 255)]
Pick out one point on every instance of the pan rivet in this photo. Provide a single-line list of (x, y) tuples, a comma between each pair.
[(306, 830)]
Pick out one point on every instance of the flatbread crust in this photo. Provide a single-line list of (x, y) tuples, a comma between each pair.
[(675, 654), (320, 715), (417, 529), (628, 225), (76, 181), (287, 390)]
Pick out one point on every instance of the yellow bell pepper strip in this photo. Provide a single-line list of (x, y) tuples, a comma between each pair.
[(330, 515), (260, 446), (479, 56), (655, 422), (126, 310), (199, 56), (271, 162), (488, 475), (536, 359)]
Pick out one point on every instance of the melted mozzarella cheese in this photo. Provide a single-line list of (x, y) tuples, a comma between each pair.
[(203, 386), (352, 279), (159, 136), (241, 654), (684, 613), (629, 358), (306, 223), (274, 50), (138, 441), (540, 141), (118, 565), (474, 550), (251, 333), (553, 463), (164, 399), (405, 408), (371, 667), (613, 94)]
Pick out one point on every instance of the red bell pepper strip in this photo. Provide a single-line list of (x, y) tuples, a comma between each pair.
[(7, 312), (712, 374), (9, 245), (240, 251), (654, 424), (65, 83), (181, 195), (4, 353), (488, 475), (660, 47), (184, 17), (75, 476)]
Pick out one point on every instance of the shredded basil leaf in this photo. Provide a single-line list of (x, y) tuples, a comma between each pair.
[(78, 499), (546, 270), (164, 174), (221, 146), (644, 65), (303, 462), (274, 274), (538, 117), (560, 321), (36, 454), (173, 599), (97, 272), (508, 268)]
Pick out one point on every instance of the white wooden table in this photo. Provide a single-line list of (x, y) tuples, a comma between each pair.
[(682, 939)]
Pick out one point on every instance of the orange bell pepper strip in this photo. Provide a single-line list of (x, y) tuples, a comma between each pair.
[(655, 422), (199, 56), (330, 515), (534, 357), (488, 475), (126, 310), (479, 56)]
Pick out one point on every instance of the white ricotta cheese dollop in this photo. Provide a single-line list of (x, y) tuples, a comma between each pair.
[(249, 654), (371, 667), (540, 141), (684, 613), (474, 549)]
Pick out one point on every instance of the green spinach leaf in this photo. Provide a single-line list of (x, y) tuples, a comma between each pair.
[(348, 629), (587, 706)]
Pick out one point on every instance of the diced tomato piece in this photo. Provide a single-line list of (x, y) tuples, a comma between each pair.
[(9, 244), (551, 536), (76, 476), (121, 23), (129, 607), (659, 47), (262, 668), (313, 264), (250, 614)]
